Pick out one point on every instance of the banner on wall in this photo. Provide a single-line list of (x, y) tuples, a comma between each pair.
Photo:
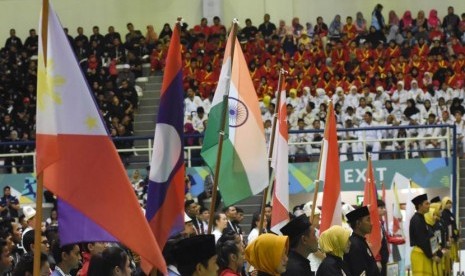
[(424, 173)]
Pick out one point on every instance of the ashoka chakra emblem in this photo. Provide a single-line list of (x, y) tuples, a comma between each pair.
[(238, 112)]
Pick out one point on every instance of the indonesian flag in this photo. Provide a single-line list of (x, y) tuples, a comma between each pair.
[(280, 200), (370, 199), (329, 175)]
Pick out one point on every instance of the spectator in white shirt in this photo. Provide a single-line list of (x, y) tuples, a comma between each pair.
[(431, 133), (353, 98), (369, 138), (198, 118), (362, 109), (191, 102), (347, 136), (308, 114), (300, 138)]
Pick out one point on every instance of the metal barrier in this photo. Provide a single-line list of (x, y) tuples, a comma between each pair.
[(449, 139)]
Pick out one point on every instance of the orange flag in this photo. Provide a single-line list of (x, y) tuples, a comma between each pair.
[(370, 199)]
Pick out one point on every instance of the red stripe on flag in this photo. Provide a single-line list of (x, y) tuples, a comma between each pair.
[(91, 178), (174, 60), (331, 203), (370, 199)]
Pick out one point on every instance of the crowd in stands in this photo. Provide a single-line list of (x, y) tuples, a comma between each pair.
[(388, 72), (111, 72), (373, 65)]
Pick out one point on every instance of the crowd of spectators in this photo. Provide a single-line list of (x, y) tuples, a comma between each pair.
[(370, 65), (109, 67), (399, 71)]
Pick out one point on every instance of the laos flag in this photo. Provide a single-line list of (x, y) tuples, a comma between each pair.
[(165, 198)]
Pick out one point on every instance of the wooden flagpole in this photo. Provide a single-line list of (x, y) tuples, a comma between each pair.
[(221, 133), (270, 152), (40, 179)]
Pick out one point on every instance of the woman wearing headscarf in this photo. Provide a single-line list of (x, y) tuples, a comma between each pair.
[(432, 221), (166, 32), (433, 19), (450, 223), (420, 21), (456, 106), (334, 242), (406, 23), (411, 109), (360, 23), (268, 254), (335, 28), (377, 18)]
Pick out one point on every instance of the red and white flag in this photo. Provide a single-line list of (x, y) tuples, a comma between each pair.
[(280, 200), (329, 175), (370, 199)]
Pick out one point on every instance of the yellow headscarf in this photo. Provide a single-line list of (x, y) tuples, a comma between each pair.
[(444, 201), (429, 217), (266, 100), (266, 251), (293, 92), (334, 240), (436, 207)]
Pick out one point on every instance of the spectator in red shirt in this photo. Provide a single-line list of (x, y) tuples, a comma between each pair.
[(202, 28), (217, 28)]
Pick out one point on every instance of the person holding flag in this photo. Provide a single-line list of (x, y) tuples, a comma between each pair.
[(422, 256), (360, 258)]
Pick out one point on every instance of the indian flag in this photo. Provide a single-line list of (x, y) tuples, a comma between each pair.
[(244, 165)]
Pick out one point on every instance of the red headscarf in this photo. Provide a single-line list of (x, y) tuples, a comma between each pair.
[(433, 19)]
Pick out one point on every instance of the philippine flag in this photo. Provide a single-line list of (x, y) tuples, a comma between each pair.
[(76, 158)]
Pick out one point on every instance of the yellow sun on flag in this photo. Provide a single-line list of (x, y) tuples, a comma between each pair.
[(47, 83), (91, 122)]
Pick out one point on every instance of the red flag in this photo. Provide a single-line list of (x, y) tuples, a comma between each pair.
[(370, 199), (329, 174)]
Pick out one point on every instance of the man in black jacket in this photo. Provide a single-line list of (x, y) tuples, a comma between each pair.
[(302, 242), (360, 258), (420, 238)]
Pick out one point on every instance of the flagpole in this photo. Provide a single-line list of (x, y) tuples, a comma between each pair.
[(317, 181), (40, 179), (386, 218), (270, 152), (221, 133)]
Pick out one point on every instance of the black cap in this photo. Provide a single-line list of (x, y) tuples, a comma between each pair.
[(194, 250), (419, 199), (357, 214), (381, 203), (435, 199), (297, 226), (297, 208)]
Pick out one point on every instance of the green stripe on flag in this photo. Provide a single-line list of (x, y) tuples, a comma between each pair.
[(233, 182)]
